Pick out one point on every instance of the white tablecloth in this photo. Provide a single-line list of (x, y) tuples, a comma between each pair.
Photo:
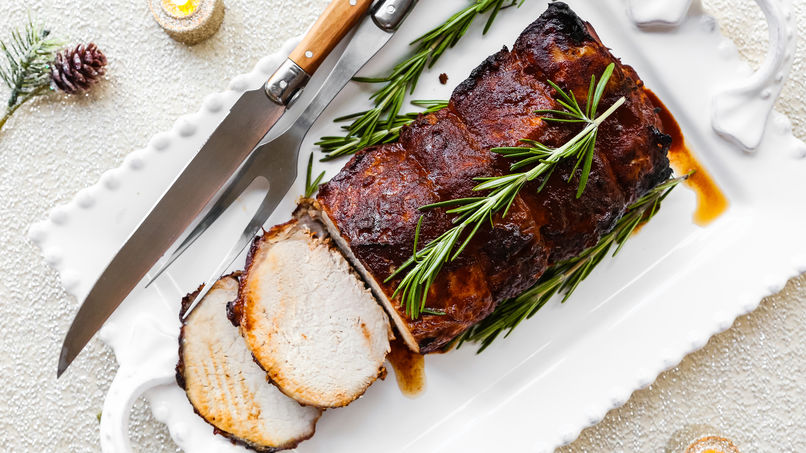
[(750, 381)]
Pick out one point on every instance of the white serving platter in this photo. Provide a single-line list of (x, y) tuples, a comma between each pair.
[(673, 285)]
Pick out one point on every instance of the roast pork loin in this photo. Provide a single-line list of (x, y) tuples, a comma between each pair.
[(226, 387), (308, 319), (372, 205)]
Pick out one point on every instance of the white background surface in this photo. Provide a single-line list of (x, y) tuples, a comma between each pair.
[(749, 381)]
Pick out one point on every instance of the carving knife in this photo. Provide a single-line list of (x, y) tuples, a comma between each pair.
[(370, 36), (248, 121)]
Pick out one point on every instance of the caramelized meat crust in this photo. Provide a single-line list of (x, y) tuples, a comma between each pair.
[(374, 201)]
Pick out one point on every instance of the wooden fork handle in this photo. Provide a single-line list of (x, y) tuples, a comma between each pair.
[(336, 21)]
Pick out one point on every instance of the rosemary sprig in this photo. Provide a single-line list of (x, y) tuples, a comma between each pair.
[(389, 131), (424, 265), (385, 135), (26, 71), (583, 147), (312, 186), (403, 78), (564, 277)]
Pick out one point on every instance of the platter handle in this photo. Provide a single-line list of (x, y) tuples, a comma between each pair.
[(127, 386), (740, 112), (150, 364)]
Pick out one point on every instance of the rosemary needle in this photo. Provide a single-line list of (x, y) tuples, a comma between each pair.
[(312, 186)]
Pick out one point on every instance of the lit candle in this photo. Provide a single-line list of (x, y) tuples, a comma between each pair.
[(188, 21), (180, 8)]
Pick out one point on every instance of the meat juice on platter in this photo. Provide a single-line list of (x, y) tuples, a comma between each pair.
[(711, 202), (409, 368), (309, 306)]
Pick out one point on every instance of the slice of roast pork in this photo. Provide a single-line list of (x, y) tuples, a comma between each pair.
[(377, 286), (308, 319), (227, 388)]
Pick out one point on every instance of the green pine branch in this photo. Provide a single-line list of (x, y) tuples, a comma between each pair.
[(26, 70)]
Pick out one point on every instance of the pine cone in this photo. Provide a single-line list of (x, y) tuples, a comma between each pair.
[(75, 71)]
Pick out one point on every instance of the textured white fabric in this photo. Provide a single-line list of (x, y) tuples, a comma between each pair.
[(750, 381)]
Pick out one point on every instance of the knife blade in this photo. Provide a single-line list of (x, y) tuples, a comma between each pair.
[(370, 36), (247, 122), (267, 160)]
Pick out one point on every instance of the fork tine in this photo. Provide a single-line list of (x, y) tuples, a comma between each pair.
[(270, 201), (249, 171)]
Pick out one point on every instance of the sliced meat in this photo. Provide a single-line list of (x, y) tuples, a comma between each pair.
[(227, 388), (372, 205), (309, 320)]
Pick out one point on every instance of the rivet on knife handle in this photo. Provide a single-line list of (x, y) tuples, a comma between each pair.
[(389, 14), (338, 19), (288, 80)]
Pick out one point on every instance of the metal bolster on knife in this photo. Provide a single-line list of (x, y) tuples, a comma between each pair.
[(286, 83)]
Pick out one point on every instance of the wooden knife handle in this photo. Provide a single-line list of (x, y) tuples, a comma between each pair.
[(338, 18)]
